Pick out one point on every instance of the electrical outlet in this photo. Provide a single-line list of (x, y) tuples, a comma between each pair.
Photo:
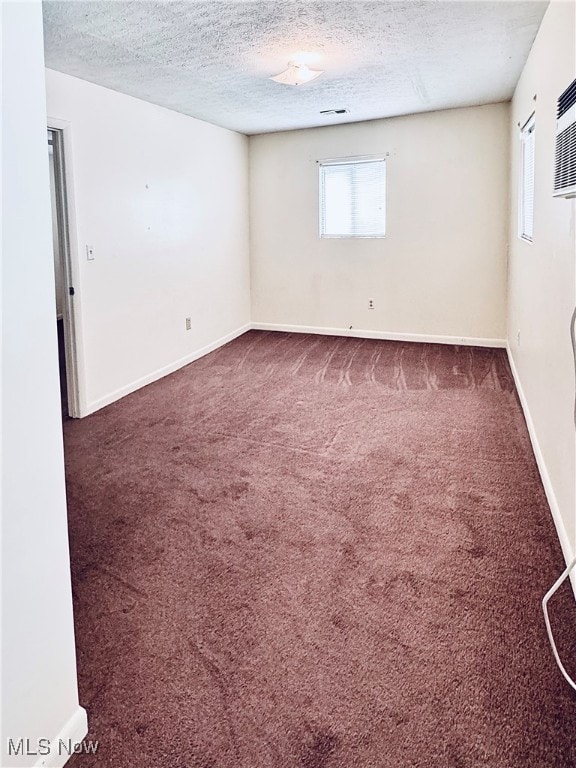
[(370, 303), (518, 338), (188, 323), (90, 253)]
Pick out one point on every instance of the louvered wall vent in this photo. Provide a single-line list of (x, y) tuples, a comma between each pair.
[(565, 170)]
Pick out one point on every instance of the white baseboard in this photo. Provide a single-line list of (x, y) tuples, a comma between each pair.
[(73, 732), (567, 549), (95, 405), (383, 335)]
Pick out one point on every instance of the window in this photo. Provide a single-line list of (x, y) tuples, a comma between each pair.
[(353, 198), (526, 196)]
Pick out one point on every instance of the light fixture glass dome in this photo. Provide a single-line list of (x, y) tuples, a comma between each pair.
[(297, 74)]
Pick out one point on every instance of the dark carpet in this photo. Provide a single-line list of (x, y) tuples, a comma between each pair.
[(311, 552)]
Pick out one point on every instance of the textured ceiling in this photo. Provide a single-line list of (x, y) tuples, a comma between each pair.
[(212, 60)]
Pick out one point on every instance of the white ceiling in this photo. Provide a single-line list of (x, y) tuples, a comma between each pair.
[(212, 60)]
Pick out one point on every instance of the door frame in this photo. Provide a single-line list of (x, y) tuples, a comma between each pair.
[(61, 142)]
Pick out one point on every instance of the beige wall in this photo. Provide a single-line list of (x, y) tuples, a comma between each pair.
[(39, 693), (541, 280), (163, 200), (440, 271)]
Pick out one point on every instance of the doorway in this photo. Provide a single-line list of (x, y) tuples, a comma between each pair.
[(63, 286)]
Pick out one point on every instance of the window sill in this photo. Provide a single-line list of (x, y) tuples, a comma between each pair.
[(352, 237)]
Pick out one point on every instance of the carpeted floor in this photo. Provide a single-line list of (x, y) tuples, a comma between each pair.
[(310, 552)]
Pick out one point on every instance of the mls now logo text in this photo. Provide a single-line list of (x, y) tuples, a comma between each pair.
[(45, 747)]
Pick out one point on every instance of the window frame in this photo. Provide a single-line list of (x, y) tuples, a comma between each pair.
[(354, 160), (527, 129)]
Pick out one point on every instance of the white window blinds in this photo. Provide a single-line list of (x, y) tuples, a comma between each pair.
[(353, 198), (526, 201)]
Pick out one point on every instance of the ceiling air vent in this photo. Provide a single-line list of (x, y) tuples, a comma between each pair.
[(565, 169), (334, 111)]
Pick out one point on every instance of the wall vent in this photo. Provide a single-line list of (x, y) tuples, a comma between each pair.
[(334, 111), (565, 168)]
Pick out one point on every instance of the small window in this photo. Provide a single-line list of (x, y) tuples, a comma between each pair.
[(526, 192), (353, 198)]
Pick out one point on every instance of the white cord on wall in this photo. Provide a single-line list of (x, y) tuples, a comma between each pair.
[(571, 566)]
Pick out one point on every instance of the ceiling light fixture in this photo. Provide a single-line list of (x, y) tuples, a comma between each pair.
[(297, 73)]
